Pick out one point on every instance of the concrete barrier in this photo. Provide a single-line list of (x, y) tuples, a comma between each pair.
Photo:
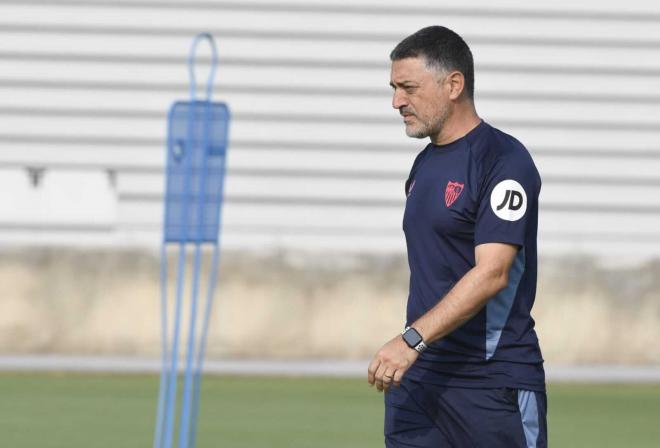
[(296, 305)]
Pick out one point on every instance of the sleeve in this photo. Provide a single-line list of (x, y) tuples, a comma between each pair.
[(508, 201)]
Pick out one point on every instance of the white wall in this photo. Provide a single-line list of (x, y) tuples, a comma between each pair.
[(317, 156)]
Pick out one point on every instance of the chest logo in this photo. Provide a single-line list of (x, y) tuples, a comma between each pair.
[(452, 192)]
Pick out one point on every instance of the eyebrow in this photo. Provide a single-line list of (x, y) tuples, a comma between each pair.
[(405, 84)]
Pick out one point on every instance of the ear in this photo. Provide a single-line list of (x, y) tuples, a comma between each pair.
[(456, 84)]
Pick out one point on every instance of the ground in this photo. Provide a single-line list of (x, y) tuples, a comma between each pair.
[(99, 411)]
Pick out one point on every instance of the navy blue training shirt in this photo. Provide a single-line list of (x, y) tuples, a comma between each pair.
[(481, 188)]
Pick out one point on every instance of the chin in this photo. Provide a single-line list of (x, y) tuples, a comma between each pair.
[(416, 132)]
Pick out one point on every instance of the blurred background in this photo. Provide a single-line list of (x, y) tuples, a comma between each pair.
[(314, 263)]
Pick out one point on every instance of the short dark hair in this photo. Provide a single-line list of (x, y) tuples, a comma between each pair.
[(442, 48)]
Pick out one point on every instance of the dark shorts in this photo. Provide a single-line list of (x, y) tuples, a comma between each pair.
[(420, 415)]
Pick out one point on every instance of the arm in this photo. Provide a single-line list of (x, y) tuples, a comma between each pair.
[(462, 302)]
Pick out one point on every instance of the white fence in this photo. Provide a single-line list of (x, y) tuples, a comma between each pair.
[(317, 156)]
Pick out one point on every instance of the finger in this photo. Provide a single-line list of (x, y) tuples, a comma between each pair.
[(398, 375), (379, 376), (371, 372), (388, 376)]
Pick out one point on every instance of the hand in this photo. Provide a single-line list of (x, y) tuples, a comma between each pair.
[(390, 363)]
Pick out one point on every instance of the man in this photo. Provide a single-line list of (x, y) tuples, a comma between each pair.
[(467, 371)]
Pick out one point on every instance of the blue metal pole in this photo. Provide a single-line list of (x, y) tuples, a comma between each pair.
[(172, 382), (192, 334), (187, 387), (202, 347), (189, 423), (171, 399), (207, 315), (160, 415)]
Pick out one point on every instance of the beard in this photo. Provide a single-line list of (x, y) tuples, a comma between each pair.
[(422, 129), (418, 130)]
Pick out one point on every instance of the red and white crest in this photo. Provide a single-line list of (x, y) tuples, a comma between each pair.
[(452, 192)]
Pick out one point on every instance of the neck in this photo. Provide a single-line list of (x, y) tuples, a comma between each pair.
[(462, 120)]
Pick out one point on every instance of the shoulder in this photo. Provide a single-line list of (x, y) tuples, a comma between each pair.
[(494, 150)]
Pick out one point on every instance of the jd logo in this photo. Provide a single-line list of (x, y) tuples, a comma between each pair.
[(508, 200), (513, 198)]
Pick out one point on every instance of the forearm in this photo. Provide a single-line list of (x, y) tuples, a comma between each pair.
[(461, 303)]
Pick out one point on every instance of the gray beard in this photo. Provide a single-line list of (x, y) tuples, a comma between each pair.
[(425, 130), (420, 132)]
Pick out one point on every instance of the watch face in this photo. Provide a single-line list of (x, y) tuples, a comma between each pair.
[(412, 338)]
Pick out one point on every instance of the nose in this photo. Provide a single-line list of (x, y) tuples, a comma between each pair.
[(399, 99)]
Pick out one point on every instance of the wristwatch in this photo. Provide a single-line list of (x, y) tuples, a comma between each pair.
[(414, 339)]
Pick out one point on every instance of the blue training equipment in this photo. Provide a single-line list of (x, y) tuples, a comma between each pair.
[(196, 155)]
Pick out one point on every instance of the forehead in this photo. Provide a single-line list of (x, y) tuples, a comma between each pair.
[(409, 69)]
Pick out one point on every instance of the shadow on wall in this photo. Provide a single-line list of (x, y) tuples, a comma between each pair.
[(302, 305)]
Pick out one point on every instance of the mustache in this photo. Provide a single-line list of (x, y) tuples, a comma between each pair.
[(406, 111)]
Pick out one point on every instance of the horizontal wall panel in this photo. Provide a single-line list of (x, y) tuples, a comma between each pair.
[(296, 216), (579, 192), (308, 19), (364, 110), (140, 164), (588, 85), (359, 187), (310, 71), (272, 127), (554, 217)]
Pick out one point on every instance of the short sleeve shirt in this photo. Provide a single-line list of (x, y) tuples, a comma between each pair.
[(481, 188)]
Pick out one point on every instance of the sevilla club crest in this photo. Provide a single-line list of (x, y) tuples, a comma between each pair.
[(452, 192)]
